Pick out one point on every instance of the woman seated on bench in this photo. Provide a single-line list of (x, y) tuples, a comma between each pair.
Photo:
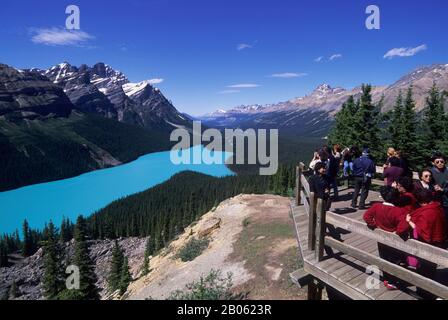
[(388, 217)]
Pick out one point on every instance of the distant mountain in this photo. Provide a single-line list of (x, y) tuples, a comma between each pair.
[(58, 123), (421, 80), (101, 89), (313, 114)]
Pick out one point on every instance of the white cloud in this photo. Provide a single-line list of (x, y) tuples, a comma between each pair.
[(404, 52), (288, 75), (59, 36), (243, 46), (318, 59), (155, 81), (228, 91), (335, 56), (243, 85)]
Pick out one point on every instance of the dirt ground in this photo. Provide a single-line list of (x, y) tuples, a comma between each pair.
[(255, 241)]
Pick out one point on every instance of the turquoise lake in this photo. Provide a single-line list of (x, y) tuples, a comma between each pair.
[(91, 191)]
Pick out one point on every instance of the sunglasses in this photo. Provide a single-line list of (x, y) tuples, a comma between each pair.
[(440, 161), (426, 176)]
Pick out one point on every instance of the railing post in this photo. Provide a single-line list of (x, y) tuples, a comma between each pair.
[(312, 222), (321, 209), (299, 171)]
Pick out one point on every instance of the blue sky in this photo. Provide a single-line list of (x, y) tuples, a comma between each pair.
[(218, 54)]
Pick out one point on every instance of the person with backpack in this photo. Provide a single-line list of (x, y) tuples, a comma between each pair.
[(363, 171)]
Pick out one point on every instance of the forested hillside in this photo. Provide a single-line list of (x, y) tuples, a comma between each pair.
[(44, 150)]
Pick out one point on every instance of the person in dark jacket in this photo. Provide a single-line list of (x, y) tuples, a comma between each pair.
[(440, 177), (404, 163), (332, 171), (392, 171), (425, 181), (363, 171), (320, 184)]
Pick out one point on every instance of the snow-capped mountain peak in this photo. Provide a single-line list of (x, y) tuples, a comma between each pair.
[(131, 89)]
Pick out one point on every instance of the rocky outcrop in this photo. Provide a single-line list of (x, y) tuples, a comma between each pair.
[(29, 95), (209, 226)]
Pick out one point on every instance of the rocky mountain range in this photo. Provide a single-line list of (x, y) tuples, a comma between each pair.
[(106, 91), (313, 114), (68, 120)]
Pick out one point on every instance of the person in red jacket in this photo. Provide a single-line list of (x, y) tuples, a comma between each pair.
[(405, 186), (429, 223), (387, 216)]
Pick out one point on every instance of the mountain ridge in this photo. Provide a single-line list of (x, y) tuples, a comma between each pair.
[(313, 113)]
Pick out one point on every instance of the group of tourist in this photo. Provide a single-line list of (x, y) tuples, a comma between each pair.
[(411, 208)]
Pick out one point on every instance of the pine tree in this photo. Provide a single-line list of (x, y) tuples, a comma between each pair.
[(410, 141), (343, 131), (66, 232), (81, 259), (367, 120), (3, 253), (13, 291), (53, 278), (27, 240), (396, 128), (149, 251), (125, 276), (113, 279), (434, 123)]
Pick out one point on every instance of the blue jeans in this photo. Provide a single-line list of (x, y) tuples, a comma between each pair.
[(347, 165)]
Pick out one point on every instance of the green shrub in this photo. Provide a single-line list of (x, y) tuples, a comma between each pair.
[(192, 249), (211, 287)]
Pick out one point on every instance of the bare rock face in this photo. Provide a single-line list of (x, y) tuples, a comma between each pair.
[(29, 95), (209, 226), (28, 273)]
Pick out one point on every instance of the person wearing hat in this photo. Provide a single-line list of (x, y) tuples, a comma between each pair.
[(363, 171)]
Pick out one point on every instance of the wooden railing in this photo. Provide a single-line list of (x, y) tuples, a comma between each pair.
[(320, 218)]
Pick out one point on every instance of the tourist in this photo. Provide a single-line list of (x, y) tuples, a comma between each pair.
[(429, 225), (392, 171), (347, 158), (332, 171), (389, 217), (425, 181), (440, 178), (315, 160), (319, 182), (405, 186), (391, 153), (429, 219), (404, 163), (363, 171), (337, 152)]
